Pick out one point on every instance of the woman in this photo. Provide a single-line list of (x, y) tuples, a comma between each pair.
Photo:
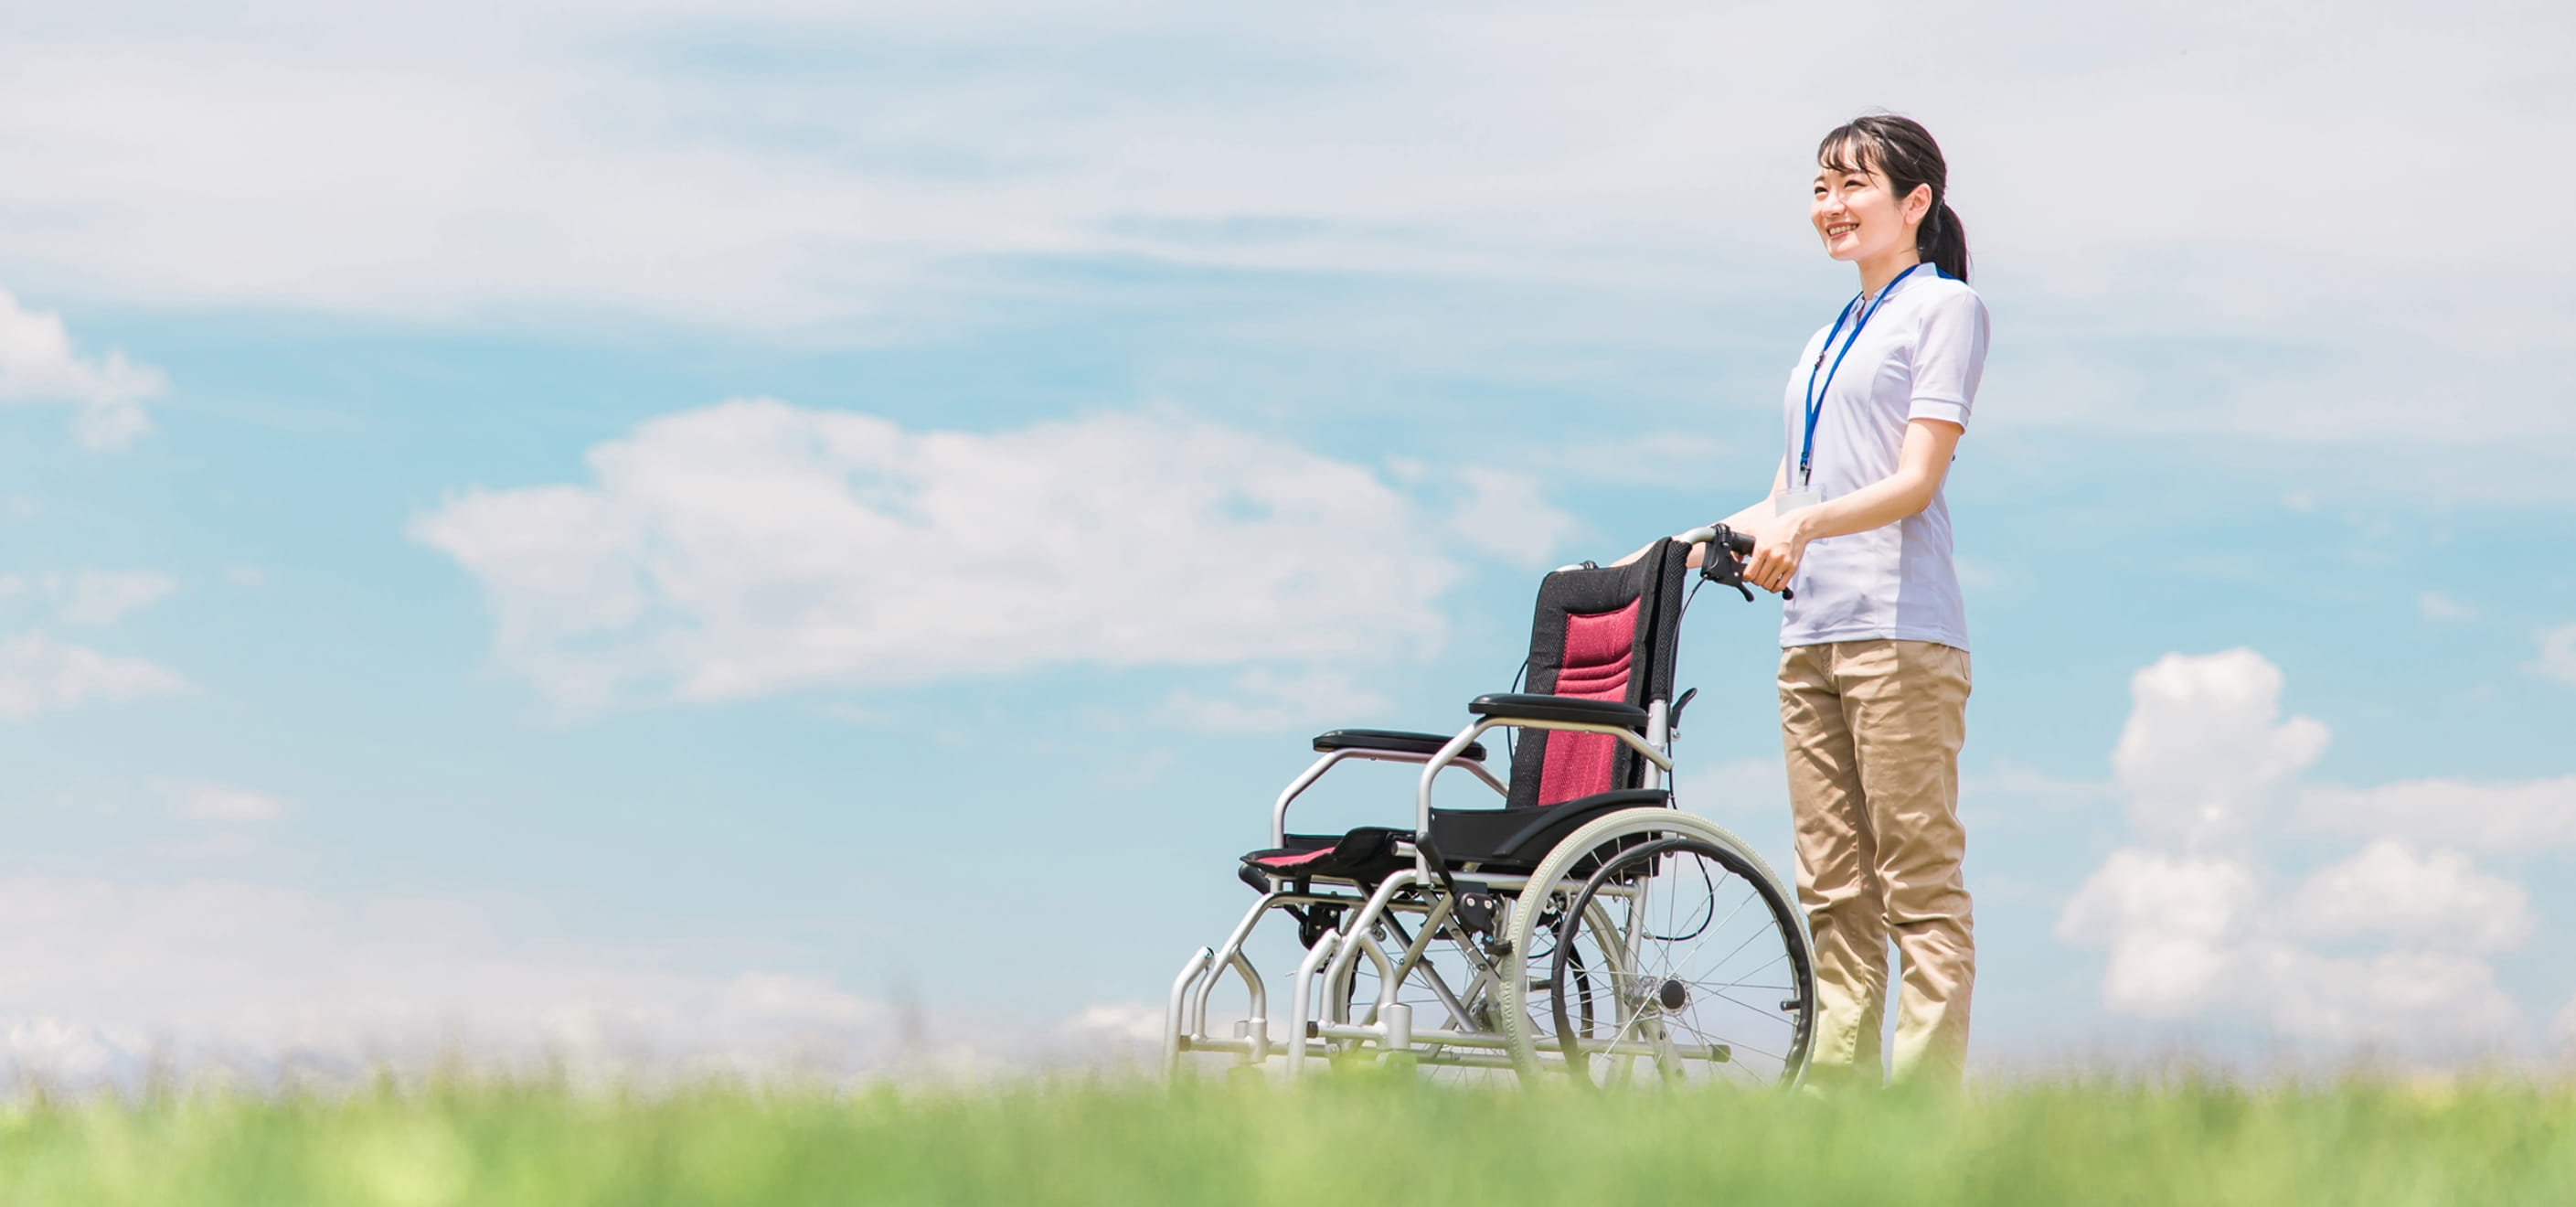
[(1874, 647)]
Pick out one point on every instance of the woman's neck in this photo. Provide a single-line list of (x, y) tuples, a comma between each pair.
[(1877, 271)]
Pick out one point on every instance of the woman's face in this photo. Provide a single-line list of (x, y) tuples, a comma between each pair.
[(1859, 218)]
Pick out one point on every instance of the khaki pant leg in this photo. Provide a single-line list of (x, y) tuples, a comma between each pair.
[(1908, 708), (1837, 882)]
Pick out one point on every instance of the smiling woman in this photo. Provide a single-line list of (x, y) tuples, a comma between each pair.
[(1873, 673)]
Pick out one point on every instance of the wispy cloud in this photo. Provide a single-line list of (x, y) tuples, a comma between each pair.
[(38, 365), (222, 803), (585, 159), (39, 674), (753, 547), (92, 598), (2436, 606), (1263, 700), (2557, 654)]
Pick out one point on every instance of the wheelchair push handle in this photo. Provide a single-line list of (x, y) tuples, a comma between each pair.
[(1723, 561)]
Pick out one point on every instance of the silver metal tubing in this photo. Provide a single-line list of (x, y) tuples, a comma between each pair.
[(1315, 771), (1467, 736), (1332, 758), (1656, 737), (1476, 1060), (1359, 923), (1448, 1038), (1304, 987), (1228, 954), (1243, 1047), (1396, 1019), (1190, 973), (1412, 962), (1431, 769), (1720, 1053), (1337, 993), (1260, 1000)]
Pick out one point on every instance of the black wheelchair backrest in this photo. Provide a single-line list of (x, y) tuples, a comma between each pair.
[(1606, 633)]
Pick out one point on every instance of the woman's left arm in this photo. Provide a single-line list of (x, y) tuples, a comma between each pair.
[(1780, 541)]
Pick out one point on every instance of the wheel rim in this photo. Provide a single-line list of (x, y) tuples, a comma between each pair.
[(1701, 963)]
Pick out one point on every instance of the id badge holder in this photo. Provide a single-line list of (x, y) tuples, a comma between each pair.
[(1792, 500)]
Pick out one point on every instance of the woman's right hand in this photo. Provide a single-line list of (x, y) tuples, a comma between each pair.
[(1779, 544)]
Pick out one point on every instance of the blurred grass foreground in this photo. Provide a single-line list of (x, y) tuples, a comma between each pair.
[(1346, 1140)]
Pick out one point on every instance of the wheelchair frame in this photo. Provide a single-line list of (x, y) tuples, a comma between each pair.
[(1371, 926)]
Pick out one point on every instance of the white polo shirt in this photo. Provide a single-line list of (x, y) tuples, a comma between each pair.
[(1919, 357)]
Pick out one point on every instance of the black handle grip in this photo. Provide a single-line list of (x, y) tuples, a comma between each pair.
[(1737, 546)]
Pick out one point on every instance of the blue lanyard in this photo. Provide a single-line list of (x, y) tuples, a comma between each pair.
[(1816, 401)]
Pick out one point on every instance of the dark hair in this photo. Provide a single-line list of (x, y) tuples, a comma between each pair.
[(1900, 149)]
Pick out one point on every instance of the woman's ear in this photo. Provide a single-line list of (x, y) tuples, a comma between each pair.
[(1918, 205)]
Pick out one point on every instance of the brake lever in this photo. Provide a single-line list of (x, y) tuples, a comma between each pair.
[(1732, 574), (1720, 565)]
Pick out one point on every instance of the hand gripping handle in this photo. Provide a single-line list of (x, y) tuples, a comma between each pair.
[(1723, 561)]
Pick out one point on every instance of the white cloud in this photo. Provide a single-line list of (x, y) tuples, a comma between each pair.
[(1507, 516), (2402, 1000), (1670, 459), (553, 158), (753, 547), (2006, 791), (1748, 796), (217, 973), (2557, 654), (38, 365), (2193, 931), (217, 802), (1137, 1024), (92, 598), (2507, 818), (2191, 937), (2174, 925), (1264, 700), (101, 980), (2427, 900), (2436, 606), (39, 674), (2205, 748)]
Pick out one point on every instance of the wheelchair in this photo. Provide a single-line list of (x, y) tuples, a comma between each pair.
[(1586, 929)]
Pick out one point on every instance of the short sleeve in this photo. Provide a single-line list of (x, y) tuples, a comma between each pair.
[(1949, 357)]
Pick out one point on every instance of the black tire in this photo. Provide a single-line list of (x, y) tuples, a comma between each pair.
[(1717, 983)]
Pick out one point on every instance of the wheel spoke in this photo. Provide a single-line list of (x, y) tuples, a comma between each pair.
[(1650, 955)]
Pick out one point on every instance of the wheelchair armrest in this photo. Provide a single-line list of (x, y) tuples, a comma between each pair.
[(1395, 740), (1521, 706)]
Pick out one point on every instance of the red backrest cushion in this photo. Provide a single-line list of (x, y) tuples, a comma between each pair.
[(1598, 649)]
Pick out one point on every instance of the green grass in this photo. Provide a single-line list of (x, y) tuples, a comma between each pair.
[(1346, 1142)]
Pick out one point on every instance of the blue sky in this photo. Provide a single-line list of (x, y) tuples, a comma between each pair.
[(694, 527)]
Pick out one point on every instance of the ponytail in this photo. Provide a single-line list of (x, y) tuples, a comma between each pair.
[(1900, 149), (1943, 241)]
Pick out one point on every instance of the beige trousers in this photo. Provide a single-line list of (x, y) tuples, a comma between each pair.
[(1872, 731)]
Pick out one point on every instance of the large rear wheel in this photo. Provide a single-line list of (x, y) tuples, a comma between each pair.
[(1677, 957)]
